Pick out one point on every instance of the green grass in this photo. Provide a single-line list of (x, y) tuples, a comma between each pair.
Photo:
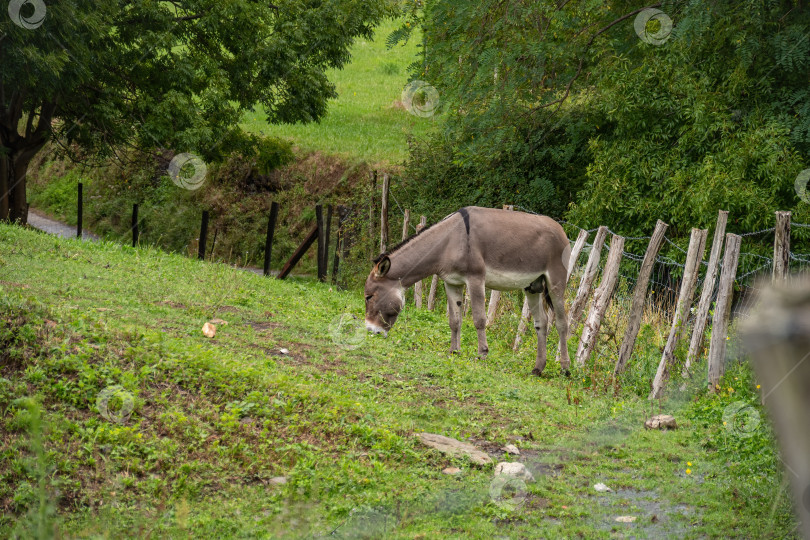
[(364, 121), (215, 419)]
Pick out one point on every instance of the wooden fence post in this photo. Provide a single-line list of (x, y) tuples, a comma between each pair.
[(320, 225), (327, 240), (523, 323), (431, 302), (495, 296), (640, 297), (371, 218), (777, 335), (79, 210), (340, 242), (135, 232), (406, 222), (694, 255), (384, 213), (781, 246), (203, 235), (268, 242), (588, 277), (601, 301), (717, 345), (702, 316), (417, 287)]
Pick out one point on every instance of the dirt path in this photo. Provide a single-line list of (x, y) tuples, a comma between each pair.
[(40, 221)]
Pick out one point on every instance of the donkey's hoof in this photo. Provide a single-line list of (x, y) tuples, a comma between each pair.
[(567, 373), (537, 372)]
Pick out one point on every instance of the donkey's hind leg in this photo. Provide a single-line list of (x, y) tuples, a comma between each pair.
[(540, 326), (555, 286)]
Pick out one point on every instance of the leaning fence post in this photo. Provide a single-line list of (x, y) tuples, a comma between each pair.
[(406, 222), (570, 266), (268, 242), (384, 213), (203, 235), (777, 335), (431, 302), (588, 277), (417, 287), (702, 316), (717, 344), (781, 246), (135, 232), (640, 297), (495, 296), (601, 300), (79, 209), (694, 255)]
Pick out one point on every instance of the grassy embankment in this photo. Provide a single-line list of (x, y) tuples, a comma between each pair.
[(215, 419)]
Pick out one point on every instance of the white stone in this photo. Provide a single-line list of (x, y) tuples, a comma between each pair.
[(511, 449), (284, 351), (600, 487), (626, 519), (516, 469)]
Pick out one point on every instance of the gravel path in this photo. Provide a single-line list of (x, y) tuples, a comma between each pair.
[(40, 221)]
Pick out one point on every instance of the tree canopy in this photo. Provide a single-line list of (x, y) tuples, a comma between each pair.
[(109, 74), (565, 108)]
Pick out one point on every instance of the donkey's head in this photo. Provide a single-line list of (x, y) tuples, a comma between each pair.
[(385, 298)]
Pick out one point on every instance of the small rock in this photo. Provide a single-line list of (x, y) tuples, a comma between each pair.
[(601, 488), (626, 519), (219, 321), (284, 351), (452, 447), (511, 449), (278, 480), (661, 421), (452, 470), (518, 470), (209, 330)]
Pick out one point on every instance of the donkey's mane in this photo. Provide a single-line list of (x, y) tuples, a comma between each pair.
[(407, 240)]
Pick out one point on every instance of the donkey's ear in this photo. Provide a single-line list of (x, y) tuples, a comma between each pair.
[(383, 267)]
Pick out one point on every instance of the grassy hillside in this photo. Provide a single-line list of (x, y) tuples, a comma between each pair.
[(214, 421), (367, 120)]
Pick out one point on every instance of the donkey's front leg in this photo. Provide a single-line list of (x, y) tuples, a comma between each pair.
[(478, 297), (454, 295)]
